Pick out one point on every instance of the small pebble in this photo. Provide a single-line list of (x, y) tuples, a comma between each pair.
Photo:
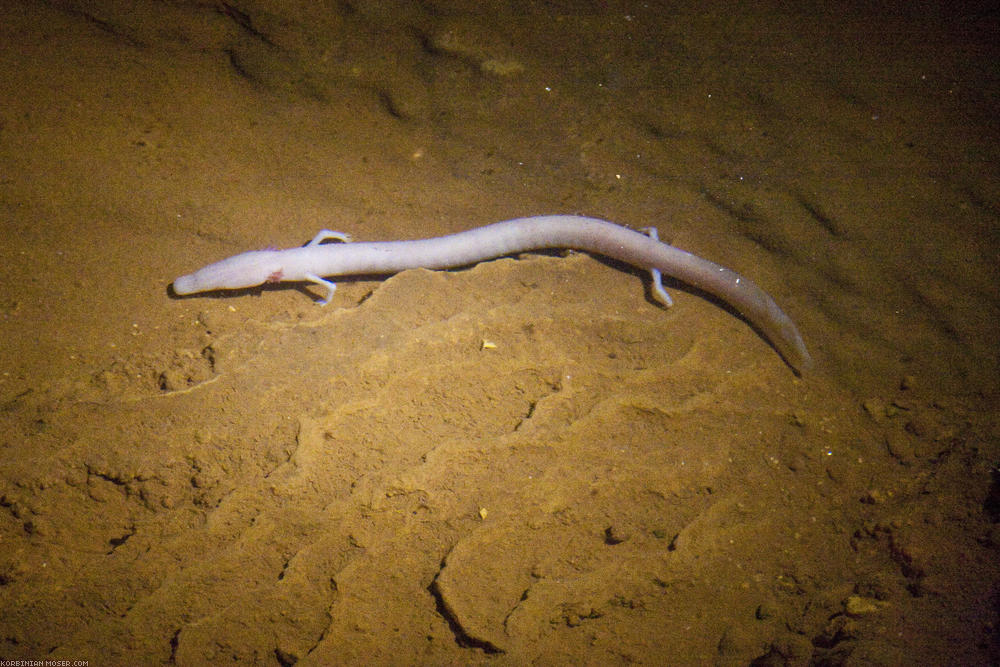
[(875, 407), (765, 611), (900, 446), (614, 535), (856, 605)]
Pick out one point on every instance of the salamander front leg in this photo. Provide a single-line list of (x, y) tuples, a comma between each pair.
[(325, 234), (658, 292), (325, 284), (330, 287)]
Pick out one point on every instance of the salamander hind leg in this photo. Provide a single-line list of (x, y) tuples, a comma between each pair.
[(658, 292), (325, 234)]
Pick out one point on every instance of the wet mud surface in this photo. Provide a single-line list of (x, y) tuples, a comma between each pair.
[(527, 461)]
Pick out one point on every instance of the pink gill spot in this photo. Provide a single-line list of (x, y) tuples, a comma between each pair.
[(276, 276)]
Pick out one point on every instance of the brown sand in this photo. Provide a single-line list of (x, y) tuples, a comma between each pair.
[(526, 461)]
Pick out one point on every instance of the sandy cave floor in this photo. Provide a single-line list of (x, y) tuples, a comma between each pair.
[(525, 461)]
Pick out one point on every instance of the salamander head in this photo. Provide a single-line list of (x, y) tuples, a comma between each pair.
[(244, 270)]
